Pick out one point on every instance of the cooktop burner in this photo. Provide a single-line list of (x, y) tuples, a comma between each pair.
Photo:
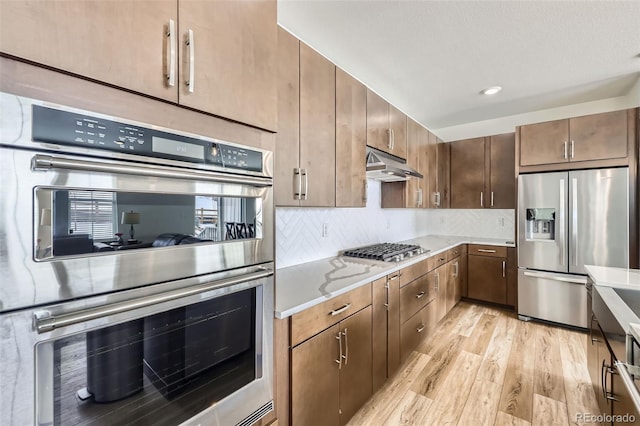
[(387, 252)]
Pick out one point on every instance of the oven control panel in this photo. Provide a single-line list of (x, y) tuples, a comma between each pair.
[(68, 128)]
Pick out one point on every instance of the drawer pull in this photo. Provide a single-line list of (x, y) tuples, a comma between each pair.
[(340, 310), (394, 277), (441, 259), (486, 251), (420, 329), (419, 295)]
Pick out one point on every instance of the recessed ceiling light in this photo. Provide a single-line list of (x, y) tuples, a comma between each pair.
[(491, 90)]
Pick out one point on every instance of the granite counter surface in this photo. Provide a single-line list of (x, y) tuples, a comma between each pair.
[(302, 286)]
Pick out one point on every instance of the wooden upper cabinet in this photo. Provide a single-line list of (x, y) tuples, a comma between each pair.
[(317, 128), (483, 172), (598, 136), (544, 143), (468, 173), (232, 58), (588, 138), (386, 126), (123, 43), (351, 141), (287, 155), (398, 126), (502, 183)]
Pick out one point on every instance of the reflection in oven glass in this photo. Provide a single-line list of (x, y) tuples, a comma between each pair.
[(84, 221), (159, 370)]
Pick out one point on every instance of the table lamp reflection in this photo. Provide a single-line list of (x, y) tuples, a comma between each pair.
[(131, 218)]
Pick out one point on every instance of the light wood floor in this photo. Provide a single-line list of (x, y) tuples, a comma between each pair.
[(483, 366)]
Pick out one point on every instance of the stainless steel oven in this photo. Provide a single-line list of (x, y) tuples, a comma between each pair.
[(137, 267)]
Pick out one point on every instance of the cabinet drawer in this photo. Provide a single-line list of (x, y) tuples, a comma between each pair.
[(437, 260), (317, 318), (491, 251), (414, 296), (414, 271), (454, 252), (416, 329)]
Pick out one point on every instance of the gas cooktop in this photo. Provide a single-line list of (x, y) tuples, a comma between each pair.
[(386, 252)]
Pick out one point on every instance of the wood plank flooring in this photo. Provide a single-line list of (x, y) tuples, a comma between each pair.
[(482, 366)]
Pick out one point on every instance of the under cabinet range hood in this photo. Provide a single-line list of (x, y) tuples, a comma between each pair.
[(387, 168)]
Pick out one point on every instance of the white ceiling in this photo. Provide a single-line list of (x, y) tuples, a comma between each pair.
[(432, 58)]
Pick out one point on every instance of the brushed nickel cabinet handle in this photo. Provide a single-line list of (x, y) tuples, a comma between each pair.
[(437, 281), (482, 199), (394, 277), (340, 310), (305, 184), (419, 295), (389, 143), (504, 265), (565, 150), (393, 139), (346, 347), (420, 328), (455, 265), (572, 146), (491, 198), (486, 251), (297, 184), (171, 55), (339, 360), (192, 59)]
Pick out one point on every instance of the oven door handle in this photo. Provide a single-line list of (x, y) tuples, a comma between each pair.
[(47, 162), (44, 322)]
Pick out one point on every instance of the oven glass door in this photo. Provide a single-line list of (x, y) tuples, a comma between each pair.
[(158, 369)]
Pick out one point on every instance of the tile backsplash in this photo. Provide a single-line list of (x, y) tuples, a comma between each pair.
[(307, 234)]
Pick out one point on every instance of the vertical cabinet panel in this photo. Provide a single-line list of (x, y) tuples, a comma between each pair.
[(398, 126), (444, 173), (502, 188), (355, 376), (351, 141), (432, 159), (380, 332), (317, 128), (467, 173), (598, 136), (377, 121), (234, 54), (488, 279), (315, 380), (123, 43), (544, 143), (288, 137)]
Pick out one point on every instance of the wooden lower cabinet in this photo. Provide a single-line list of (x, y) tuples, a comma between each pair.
[(487, 278), (331, 372), (386, 329), (417, 328)]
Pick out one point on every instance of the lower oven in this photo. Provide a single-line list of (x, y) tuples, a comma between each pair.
[(193, 351), (137, 272)]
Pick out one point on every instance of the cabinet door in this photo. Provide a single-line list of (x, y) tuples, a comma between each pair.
[(378, 135), (288, 137), (417, 328), (598, 136), (623, 406), (544, 143), (315, 379), (355, 375), (432, 159), (393, 325), (467, 174), (380, 332), (413, 185), (487, 278), (440, 277), (398, 126), (317, 128), (502, 181), (464, 276), (233, 54), (594, 362), (444, 157), (123, 43), (351, 141)]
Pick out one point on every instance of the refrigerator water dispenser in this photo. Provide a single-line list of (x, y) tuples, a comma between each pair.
[(541, 224)]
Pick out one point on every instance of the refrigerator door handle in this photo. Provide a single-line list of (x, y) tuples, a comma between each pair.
[(561, 223), (574, 219), (556, 278)]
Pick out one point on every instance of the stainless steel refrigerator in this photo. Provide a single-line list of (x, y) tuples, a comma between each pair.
[(567, 220)]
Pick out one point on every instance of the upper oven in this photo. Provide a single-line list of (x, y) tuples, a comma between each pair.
[(94, 204)]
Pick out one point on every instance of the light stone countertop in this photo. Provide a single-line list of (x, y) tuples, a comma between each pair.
[(300, 287), (606, 280)]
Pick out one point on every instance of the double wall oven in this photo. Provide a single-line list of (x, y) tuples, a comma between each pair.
[(137, 272)]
